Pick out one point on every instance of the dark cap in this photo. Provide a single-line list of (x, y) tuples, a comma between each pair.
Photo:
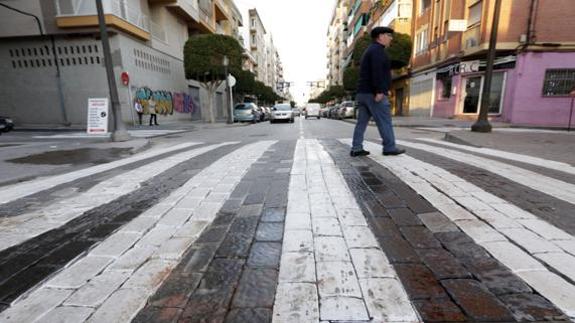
[(375, 32)]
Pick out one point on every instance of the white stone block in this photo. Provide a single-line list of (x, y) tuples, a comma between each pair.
[(175, 218), (297, 241), (296, 302), (35, 305), (480, 231), (191, 229), (330, 249), (297, 267), (454, 212), (337, 279), (343, 309), (545, 229), (80, 272), (139, 225), (473, 204), (511, 256), (297, 221), (554, 288), (207, 211), (188, 203), (174, 248), (150, 275), (156, 236), (121, 307), (133, 258), (371, 263), (97, 290), (325, 226), (530, 241), (513, 211), (359, 237), (562, 262), (66, 314), (567, 245), (116, 244), (387, 301)]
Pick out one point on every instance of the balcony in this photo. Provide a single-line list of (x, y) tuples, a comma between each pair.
[(187, 9), (222, 11), (471, 38), (118, 14)]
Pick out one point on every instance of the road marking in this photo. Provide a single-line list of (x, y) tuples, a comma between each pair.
[(479, 220), (551, 164), (341, 257), (17, 229), (550, 186), (16, 191), (162, 244)]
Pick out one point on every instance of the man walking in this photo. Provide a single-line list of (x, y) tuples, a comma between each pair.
[(372, 92)]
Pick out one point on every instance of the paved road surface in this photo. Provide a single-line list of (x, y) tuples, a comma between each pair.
[(276, 223)]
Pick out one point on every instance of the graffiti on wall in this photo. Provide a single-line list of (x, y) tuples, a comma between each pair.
[(166, 101)]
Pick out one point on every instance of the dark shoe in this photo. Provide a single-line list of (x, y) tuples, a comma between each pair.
[(359, 153), (394, 153)]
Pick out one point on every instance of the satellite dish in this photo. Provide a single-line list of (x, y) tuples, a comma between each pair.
[(231, 80)]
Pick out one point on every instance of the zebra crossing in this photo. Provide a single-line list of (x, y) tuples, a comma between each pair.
[(271, 231)]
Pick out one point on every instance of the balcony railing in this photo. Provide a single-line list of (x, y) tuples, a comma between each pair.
[(118, 8)]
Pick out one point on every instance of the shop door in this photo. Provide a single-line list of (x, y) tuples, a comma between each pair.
[(472, 95), (399, 102)]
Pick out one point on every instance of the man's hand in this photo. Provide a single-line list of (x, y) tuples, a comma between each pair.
[(379, 97)]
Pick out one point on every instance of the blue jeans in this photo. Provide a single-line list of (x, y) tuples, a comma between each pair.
[(381, 113)]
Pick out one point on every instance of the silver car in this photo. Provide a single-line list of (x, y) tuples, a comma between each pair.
[(347, 109), (281, 112)]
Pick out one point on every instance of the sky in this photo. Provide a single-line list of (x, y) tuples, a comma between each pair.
[(299, 30)]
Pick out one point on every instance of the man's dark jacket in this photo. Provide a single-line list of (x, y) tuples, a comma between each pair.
[(375, 70)]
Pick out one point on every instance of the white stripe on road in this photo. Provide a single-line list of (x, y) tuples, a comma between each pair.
[(553, 187), (551, 164), (17, 229), (16, 191), (332, 267), (115, 279), (490, 222)]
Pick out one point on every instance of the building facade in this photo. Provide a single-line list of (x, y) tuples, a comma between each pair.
[(534, 67), (49, 77), (337, 42)]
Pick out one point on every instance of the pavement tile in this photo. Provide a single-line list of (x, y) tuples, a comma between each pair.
[(337, 279), (530, 241), (35, 305), (66, 314), (298, 240), (273, 214), (116, 244), (191, 229), (384, 226), (439, 310), (420, 237), (330, 249), (351, 217), (133, 258), (343, 308), (250, 210), (239, 238), (398, 250), (496, 277), (371, 263), (80, 272), (213, 234), (532, 307), (265, 255), (404, 217), (198, 258), (386, 300), (477, 302), (257, 288), (326, 226), (297, 267), (95, 292), (298, 221), (513, 257), (359, 237), (296, 302), (270, 231), (158, 315), (419, 282), (122, 306), (562, 262), (442, 263), (150, 275), (252, 315), (175, 291), (437, 222)]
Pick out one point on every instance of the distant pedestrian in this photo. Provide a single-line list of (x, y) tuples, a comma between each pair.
[(372, 94), (153, 116), (139, 110)]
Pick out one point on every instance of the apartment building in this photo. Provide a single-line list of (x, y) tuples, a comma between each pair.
[(337, 42), (357, 20), (49, 75), (534, 67), (395, 14), (268, 67)]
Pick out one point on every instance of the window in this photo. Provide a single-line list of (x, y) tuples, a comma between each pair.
[(254, 40), (424, 5), (446, 90), (421, 42), (474, 16), (253, 22), (558, 82)]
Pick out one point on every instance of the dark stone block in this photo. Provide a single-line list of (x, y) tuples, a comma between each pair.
[(257, 288), (391, 201), (265, 255), (398, 250), (270, 232), (404, 217), (158, 314), (255, 198), (439, 310), (22, 281), (420, 237), (532, 307), (419, 282), (495, 276), (476, 301), (204, 313), (443, 264), (252, 315), (101, 231), (467, 250), (272, 214), (250, 210), (222, 274), (239, 239), (453, 238), (65, 253), (213, 234), (199, 258), (384, 226), (223, 219), (231, 205), (175, 291)]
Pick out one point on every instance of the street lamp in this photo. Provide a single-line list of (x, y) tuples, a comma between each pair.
[(119, 132), (226, 63), (482, 124)]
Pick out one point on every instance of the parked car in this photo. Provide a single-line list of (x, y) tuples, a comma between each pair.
[(334, 112), (348, 110), (323, 112), (282, 112), (246, 112), (312, 110), (6, 124), (296, 112)]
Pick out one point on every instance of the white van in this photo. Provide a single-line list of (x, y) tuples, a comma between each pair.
[(312, 110)]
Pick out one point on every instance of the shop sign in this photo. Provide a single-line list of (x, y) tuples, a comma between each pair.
[(97, 116)]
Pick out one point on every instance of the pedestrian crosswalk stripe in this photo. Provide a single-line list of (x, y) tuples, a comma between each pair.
[(20, 228), (484, 223), (16, 191), (177, 225), (324, 246), (551, 164), (553, 187)]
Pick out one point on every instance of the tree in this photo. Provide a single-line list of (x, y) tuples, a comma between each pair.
[(203, 61), (245, 84), (400, 50), (350, 78)]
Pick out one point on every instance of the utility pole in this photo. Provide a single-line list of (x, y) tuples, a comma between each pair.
[(482, 124), (226, 63), (119, 132)]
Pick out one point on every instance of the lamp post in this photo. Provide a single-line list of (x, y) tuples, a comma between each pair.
[(482, 124), (119, 132), (226, 63)]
